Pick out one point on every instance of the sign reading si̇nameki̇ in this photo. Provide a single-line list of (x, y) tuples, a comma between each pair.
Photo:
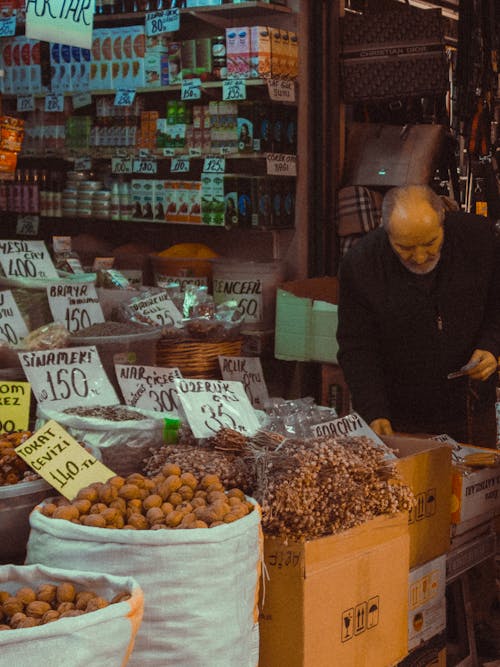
[(68, 377), (149, 387), (53, 20), (351, 425), (12, 325), (15, 400), (211, 405), (61, 460), (248, 371), (77, 306), (159, 308), (26, 259)]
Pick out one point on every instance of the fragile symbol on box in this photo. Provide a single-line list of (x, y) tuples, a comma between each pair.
[(363, 616), (425, 506)]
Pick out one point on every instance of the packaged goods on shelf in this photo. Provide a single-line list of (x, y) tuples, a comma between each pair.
[(426, 602)]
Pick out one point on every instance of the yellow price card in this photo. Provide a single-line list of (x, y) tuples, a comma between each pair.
[(61, 460), (15, 398)]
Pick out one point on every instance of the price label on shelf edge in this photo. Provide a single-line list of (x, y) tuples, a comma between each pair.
[(76, 305), (234, 89), (68, 377), (158, 23), (27, 225), (83, 164), (149, 387), (15, 398), (12, 325), (54, 103), (144, 166), (281, 164), (62, 462), (248, 371), (83, 99), (7, 26), (210, 405), (191, 89), (124, 97), (25, 103), (26, 259), (281, 90), (214, 165), (179, 165), (121, 165)]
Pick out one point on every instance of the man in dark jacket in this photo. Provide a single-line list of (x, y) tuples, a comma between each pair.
[(420, 299)]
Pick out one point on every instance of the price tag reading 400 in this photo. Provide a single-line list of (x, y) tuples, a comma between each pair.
[(61, 460), (26, 259), (234, 89), (68, 377), (211, 405)]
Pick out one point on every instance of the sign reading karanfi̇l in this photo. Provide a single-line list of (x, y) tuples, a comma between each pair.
[(61, 21)]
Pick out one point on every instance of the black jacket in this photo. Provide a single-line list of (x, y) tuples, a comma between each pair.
[(398, 342)]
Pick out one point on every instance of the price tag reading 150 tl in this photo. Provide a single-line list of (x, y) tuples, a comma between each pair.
[(68, 377), (76, 305), (61, 460), (211, 405)]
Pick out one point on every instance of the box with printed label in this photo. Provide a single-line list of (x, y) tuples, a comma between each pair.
[(425, 465), (306, 320), (475, 491), (426, 601), (338, 600)]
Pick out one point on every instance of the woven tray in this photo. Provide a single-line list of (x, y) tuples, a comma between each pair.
[(196, 358)]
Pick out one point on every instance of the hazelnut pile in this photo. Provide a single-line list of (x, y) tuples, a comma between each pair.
[(49, 602), (12, 467), (170, 499)]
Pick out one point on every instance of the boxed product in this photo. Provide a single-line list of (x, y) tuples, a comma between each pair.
[(338, 600), (426, 467), (260, 52), (306, 320), (238, 52), (430, 654), (426, 601)]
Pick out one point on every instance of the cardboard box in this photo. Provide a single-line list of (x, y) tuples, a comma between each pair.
[(306, 320), (339, 600), (475, 492), (427, 470), (426, 601), (431, 654)]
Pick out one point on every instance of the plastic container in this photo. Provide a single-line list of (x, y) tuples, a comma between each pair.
[(253, 285), (16, 503), (185, 270), (135, 348)]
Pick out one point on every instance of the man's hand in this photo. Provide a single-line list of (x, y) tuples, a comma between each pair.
[(381, 427), (486, 365)]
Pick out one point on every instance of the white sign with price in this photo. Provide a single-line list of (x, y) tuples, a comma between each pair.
[(68, 377), (142, 166), (149, 387), (124, 97), (26, 259), (160, 22), (349, 426), (159, 308), (27, 225), (234, 89), (179, 165), (82, 100), (121, 165), (248, 371), (214, 165), (211, 405), (77, 306), (7, 26), (281, 164), (281, 90), (54, 103), (247, 293), (12, 325), (191, 89), (25, 103)]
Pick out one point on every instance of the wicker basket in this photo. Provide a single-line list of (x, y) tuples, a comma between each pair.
[(196, 358)]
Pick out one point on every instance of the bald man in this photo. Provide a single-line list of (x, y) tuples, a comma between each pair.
[(420, 300)]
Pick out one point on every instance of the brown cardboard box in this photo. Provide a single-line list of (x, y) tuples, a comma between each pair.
[(431, 654), (425, 466), (337, 601), (476, 493)]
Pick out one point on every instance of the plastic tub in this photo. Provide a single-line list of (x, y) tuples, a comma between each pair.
[(253, 285), (16, 503), (185, 270)]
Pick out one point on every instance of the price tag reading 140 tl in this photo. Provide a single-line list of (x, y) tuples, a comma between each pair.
[(15, 400), (61, 460), (211, 405), (68, 377)]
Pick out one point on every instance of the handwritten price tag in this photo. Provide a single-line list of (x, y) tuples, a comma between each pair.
[(234, 89), (142, 166), (82, 100), (7, 26), (76, 305), (124, 97), (15, 398), (149, 387), (158, 308), (281, 90), (57, 457), (121, 165), (26, 259), (83, 164), (25, 103), (12, 325), (179, 165), (191, 89), (159, 22), (214, 165), (27, 225), (211, 405), (54, 103), (250, 302), (67, 377), (350, 425), (281, 164), (248, 371), (168, 152)]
